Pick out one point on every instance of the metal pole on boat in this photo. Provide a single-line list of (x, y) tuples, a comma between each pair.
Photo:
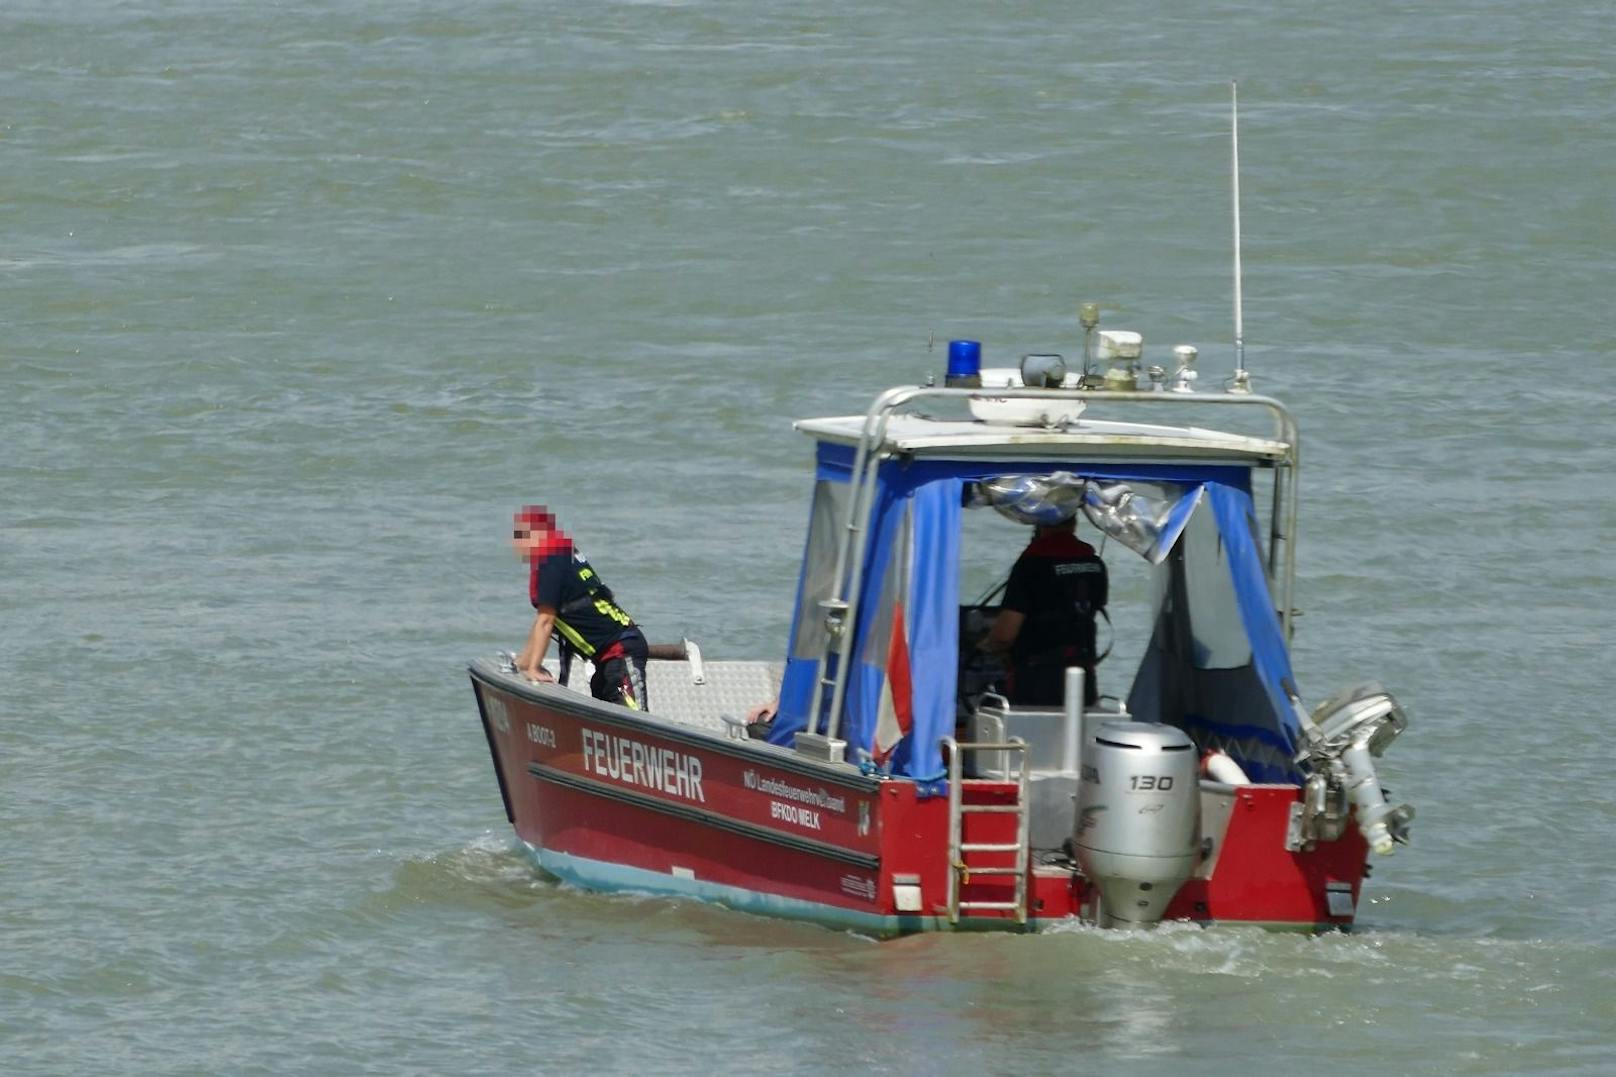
[(1073, 748), (1242, 379), (841, 608)]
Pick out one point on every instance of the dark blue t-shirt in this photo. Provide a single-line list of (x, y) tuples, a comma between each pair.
[(587, 615), (1059, 584)]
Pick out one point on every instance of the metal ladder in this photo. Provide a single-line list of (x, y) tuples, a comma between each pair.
[(959, 871)]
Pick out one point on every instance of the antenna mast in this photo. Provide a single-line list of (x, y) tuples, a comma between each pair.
[(1242, 379)]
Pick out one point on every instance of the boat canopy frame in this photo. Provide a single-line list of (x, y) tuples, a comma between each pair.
[(871, 448)]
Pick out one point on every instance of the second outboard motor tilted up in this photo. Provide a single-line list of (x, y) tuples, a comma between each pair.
[(1138, 809)]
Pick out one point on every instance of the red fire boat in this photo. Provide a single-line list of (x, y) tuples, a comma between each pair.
[(898, 789)]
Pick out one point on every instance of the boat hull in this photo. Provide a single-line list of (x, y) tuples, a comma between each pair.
[(610, 800)]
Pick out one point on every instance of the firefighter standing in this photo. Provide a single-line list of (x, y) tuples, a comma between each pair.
[(1046, 622)]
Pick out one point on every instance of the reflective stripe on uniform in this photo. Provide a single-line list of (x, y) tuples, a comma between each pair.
[(633, 685), (579, 644)]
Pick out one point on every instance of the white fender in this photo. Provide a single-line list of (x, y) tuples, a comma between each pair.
[(1219, 767)]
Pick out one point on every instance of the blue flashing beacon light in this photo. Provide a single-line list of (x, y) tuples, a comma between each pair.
[(964, 365)]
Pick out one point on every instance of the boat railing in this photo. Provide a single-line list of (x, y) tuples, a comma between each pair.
[(841, 611)]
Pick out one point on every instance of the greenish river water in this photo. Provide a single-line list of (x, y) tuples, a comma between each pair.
[(299, 301)]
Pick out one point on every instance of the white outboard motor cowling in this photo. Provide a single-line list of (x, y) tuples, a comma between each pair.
[(1138, 808)]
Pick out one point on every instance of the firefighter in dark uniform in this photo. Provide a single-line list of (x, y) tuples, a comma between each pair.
[(1046, 622), (572, 603)]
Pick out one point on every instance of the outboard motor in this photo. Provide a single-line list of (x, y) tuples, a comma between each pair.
[(1138, 808)]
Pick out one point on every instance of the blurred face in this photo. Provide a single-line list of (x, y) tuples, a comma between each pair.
[(534, 533), (525, 540), (530, 529)]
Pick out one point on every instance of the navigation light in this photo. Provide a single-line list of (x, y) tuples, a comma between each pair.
[(1185, 374)]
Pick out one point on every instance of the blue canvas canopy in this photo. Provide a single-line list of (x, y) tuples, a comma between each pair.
[(1216, 666)]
